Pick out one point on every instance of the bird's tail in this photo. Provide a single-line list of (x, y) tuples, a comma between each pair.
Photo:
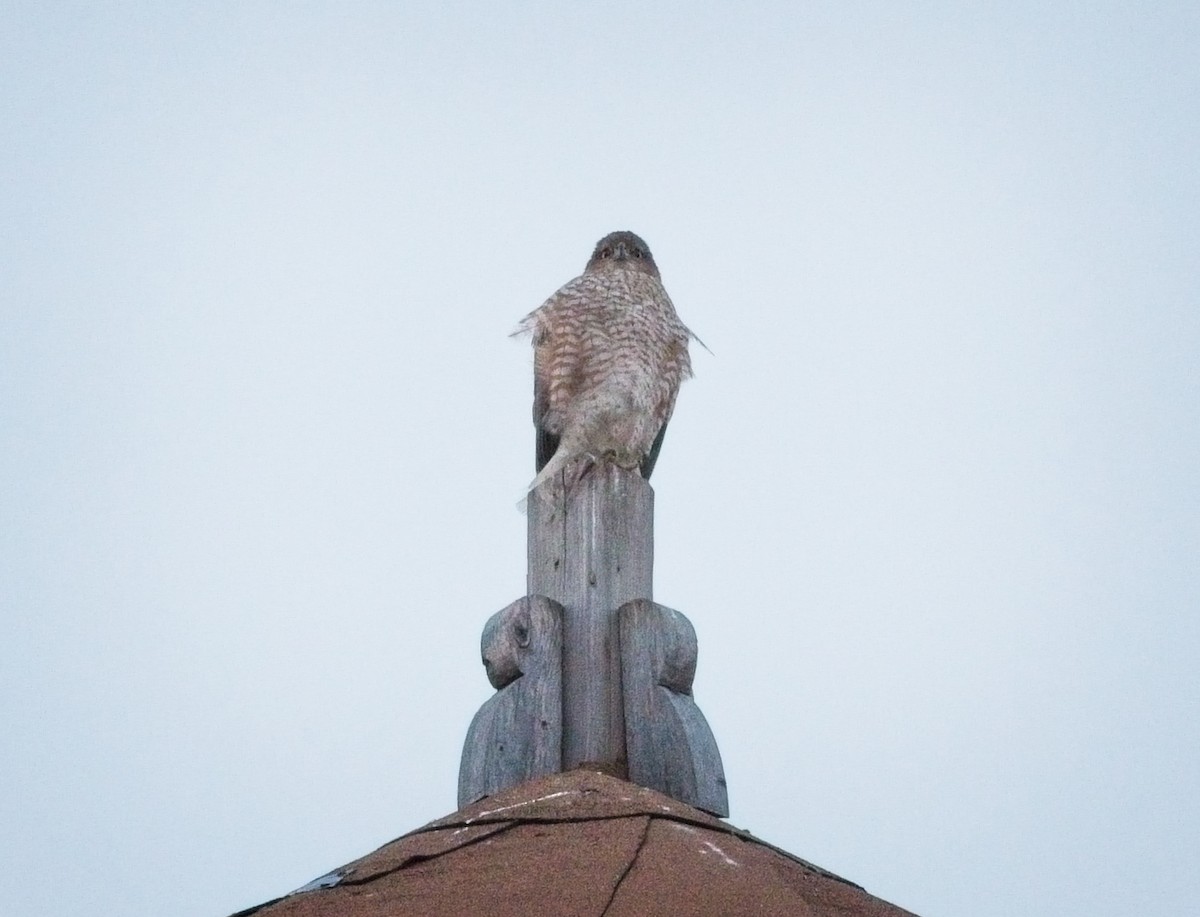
[(557, 463)]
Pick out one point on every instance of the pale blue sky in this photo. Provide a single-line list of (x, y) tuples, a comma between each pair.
[(932, 504)]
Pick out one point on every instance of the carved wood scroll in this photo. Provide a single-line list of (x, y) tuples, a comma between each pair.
[(669, 743), (517, 733)]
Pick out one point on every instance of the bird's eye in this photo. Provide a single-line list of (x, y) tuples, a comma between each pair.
[(606, 253), (637, 253)]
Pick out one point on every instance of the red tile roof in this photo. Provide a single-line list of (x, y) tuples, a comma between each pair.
[(580, 843)]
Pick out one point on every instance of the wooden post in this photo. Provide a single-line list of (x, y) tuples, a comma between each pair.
[(591, 549)]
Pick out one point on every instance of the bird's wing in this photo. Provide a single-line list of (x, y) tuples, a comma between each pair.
[(547, 442), (647, 465), (539, 324)]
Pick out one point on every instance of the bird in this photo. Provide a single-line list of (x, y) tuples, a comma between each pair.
[(610, 354)]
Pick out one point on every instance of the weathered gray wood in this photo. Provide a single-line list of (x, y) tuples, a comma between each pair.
[(591, 549), (517, 733), (588, 669), (669, 744)]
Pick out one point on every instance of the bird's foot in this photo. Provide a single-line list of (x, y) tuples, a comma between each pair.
[(626, 460), (584, 465)]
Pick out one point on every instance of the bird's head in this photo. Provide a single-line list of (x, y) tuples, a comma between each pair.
[(625, 250)]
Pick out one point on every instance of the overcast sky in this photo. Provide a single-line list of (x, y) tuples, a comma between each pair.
[(932, 503)]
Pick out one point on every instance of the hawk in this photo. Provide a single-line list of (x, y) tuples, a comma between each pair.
[(609, 356)]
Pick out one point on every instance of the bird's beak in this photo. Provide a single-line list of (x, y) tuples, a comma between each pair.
[(621, 253)]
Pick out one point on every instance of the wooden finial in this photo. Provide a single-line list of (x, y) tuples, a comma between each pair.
[(590, 636)]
